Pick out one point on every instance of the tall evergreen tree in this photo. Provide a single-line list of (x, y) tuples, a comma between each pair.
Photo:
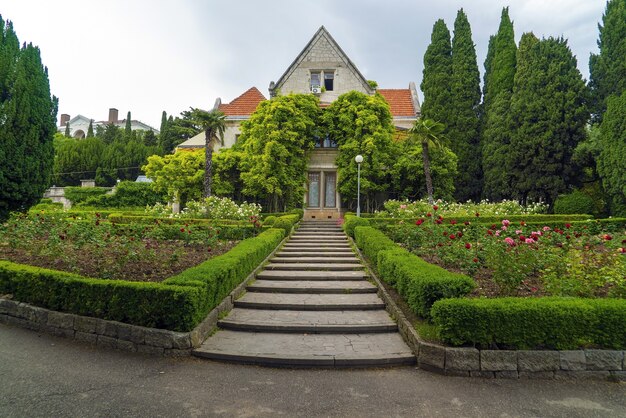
[(496, 134), (436, 77), (90, 129), (463, 131), (608, 68), (128, 126), (28, 116), (611, 160), (67, 130), (547, 118)]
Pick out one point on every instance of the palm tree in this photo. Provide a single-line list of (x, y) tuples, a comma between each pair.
[(213, 124), (430, 134)]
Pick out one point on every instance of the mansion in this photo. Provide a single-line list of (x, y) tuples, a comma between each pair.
[(323, 69)]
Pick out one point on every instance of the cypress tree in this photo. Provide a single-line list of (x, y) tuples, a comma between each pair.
[(127, 127), (496, 133), (611, 160), (608, 68), (463, 131), (90, 129), (163, 121), (28, 115), (437, 75), (547, 118), (67, 130)]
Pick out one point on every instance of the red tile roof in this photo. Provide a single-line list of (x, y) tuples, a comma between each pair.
[(399, 100), (243, 105)]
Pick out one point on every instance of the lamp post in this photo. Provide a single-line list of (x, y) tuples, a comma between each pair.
[(359, 160)]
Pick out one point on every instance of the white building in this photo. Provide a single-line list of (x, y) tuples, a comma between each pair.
[(79, 124)]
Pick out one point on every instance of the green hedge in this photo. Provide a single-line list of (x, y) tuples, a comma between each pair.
[(575, 202), (286, 222), (351, 222), (127, 193), (80, 194), (269, 220), (420, 283), (530, 323), (179, 303), (488, 220)]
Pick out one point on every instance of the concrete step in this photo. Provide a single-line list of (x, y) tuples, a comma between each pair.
[(317, 238), (310, 302), (324, 259), (320, 245), (312, 322), (316, 253), (307, 350), (318, 234), (313, 286), (314, 266), (320, 228), (311, 275)]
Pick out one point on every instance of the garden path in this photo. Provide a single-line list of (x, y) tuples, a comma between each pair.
[(311, 306)]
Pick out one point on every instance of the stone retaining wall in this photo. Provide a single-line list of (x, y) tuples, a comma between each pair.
[(119, 335), (508, 364)]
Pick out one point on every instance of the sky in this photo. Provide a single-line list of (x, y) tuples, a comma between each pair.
[(147, 56)]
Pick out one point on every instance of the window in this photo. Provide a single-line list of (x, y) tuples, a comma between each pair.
[(329, 80), (314, 190), (316, 79), (329, 190)]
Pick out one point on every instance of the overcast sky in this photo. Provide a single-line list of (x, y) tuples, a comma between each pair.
[(147, 56)]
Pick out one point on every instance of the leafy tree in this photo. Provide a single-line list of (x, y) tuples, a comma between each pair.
[(611, 160), (608, 68), (547, 117), (463, 128), (227, 173), (128, 127), (275, 143), (90, 129), (407, 177), (213, 124), (179, 175), (436, 80), (496, 130), (27, 115), (429, 134), (149, 138)]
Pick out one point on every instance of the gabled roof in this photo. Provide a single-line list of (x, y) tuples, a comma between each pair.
[(243, 105), (321, 32), (400, 101)]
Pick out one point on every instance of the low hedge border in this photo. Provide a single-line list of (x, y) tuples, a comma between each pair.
[(352, 221), (505, 364), (530, 323), (178, 303), (420, 283), (287, 222)]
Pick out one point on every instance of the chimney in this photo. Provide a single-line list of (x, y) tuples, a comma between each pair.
[(65, 118), (112, 115)]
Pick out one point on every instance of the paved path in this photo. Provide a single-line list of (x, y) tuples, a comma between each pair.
[(45, 376), (311, 306)]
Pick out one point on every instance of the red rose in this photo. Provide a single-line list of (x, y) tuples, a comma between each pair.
[(438, 221), (477, 214), (452, 222), (568, 226), (429, 214), (468, 245), (452, 236), (607, 237), (475, 260), (419, 222), (466, 223), (182, 229), (435, 207)]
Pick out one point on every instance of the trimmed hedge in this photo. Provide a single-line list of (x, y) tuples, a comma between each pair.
[(351, 222), (179, 303), (127, 193), (530, 323), (269, 220), (286, 222), (420, 283), (80, 194), (575, 202)]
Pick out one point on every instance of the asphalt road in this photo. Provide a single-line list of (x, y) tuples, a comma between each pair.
[(44, 376)]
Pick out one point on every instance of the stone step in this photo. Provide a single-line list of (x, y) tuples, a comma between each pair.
[(314, 266), (312, 322), (311, 275), (317, 238), (307, 350), (317, 234), (320, 245), (317, 253), (313, 286), (320, 228), (317, 260), (310, 302)]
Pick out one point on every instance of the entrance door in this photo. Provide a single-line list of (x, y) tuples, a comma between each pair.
[(314, 190), (329, 190)]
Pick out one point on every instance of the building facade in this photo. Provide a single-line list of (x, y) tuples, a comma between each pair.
[(79, 125), (323, 69)]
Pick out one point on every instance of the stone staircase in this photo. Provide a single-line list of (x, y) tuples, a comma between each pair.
[(312, 305)]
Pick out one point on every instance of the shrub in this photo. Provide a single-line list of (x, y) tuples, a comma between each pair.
[(297, 211), (575, 202), (80, 194), (351, 222), (269, 220), (286, 223), (126, 194), (529, 323), (178, 304), (420, 283)]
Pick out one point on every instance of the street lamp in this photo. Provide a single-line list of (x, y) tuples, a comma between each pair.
[(359, 160)]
